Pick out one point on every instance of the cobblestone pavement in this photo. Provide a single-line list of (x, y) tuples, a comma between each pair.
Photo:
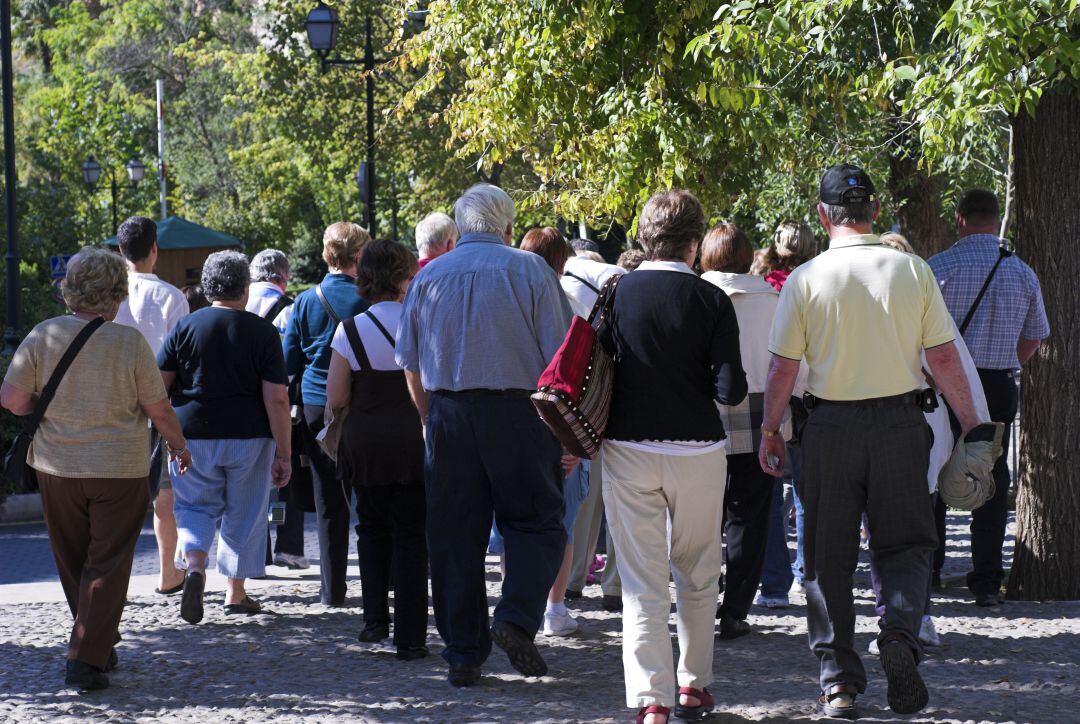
[(1016, 662)]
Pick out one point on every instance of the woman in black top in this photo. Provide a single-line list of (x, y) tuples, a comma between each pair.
[(675, 341), (381, 452)]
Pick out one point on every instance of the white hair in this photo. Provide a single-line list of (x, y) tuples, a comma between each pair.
[(434, 232), (270, 265), (484, 208)]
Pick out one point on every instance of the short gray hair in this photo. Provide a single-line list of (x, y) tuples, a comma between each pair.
[(484, 208), (849, 214), (270, 265), (96, 281), (434, 231), (225, 276)]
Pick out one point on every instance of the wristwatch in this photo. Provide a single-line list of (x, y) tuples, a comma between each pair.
[(769, 433)]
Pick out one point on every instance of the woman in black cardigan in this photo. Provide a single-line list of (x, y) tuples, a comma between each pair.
[(675, 340)]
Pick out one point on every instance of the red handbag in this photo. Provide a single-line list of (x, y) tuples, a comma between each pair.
[(573, 394)]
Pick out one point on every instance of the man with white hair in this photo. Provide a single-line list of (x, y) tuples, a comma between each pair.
[(269, 275), (477, 330), (266, 297), (436, 234)]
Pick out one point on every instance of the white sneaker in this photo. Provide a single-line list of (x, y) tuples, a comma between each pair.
[(797, 586), (767, 602), (288, 560), (559, 623), (874, 649), (928, 633)]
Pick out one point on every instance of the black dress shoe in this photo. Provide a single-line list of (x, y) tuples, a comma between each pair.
[(85, 677), (463, 674), (114, 661), (733, 628), (572, 595), (412, 653), (373, 634), (987, 599), (519, 648), (612, 603)]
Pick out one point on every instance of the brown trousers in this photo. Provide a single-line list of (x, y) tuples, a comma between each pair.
[(94, 524)]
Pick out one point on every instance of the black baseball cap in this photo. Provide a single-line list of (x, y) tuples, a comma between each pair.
[(845, 184)]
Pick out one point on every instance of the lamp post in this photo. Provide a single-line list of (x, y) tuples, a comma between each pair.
[(91, 173), (11, 331), (322, 28)]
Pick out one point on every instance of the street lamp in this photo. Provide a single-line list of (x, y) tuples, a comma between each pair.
[(91, 173), (322, 28)]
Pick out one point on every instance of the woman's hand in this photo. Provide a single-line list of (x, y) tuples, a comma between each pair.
[(569, 462), (183, 460), (280, 472)]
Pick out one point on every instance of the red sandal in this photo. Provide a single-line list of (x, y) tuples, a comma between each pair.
[(693, 713), (651, 709)]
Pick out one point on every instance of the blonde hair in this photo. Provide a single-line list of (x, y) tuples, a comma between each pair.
[(896, 241), (342, 242), (792, 244), (96, 281)]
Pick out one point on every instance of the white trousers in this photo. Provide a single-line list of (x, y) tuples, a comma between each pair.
[(641, 491)]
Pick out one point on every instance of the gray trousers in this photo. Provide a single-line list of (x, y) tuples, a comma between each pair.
[(870, 458), (586, 533)]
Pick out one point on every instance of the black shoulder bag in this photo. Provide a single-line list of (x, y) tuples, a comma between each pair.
[(16, 471), (326, 304)]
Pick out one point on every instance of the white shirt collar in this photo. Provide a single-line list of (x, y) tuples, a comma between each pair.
[(141, 275), (675, 266)]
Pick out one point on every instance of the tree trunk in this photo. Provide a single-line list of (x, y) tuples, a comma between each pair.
[(1046, 564), (918, 203)]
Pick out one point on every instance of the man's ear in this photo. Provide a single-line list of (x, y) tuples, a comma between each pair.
[(508, 235), (877, 208), (822, 217)]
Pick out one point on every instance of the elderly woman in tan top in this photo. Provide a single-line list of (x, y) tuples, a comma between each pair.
[(90, 451)]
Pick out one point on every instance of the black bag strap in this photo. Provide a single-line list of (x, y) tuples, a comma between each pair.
[(379, 325), (278, 307), (1002, 254), (584, 281), (62, 366), (353, 335), (326, 304), (604, 301)]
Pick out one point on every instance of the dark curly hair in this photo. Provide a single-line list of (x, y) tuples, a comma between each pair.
[(383, 266)]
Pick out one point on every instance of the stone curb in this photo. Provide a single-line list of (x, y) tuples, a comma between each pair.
[(24, 508)]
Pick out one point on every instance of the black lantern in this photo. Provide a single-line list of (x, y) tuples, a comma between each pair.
[(322, 29), (136, 170), (91, 172)]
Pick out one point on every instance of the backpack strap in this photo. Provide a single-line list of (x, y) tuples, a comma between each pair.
[(353, 335), (58, 373), (326, 304), (1002, 254), (379, 325), (584, 281)]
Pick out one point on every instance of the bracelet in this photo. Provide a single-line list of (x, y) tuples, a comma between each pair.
[(175, 451), (769, 433)]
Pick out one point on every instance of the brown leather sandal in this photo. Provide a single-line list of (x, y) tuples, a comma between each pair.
[(247, 607), (832, 705)]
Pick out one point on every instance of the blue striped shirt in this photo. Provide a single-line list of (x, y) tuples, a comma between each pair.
[(1011, 310), (484, 316)]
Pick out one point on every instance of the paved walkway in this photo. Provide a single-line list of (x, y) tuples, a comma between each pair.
[(1017, 662)]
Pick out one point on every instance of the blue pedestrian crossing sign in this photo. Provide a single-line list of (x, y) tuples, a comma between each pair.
[(58, 265)]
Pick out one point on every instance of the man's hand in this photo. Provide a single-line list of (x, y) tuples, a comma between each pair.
[(280, 472), (183, 461), (772, 455)]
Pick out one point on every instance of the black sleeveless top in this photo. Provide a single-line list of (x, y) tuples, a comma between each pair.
[(382, 440)]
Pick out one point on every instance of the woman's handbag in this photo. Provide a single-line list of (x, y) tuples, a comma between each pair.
[(573, 394), (16, 472), (334, 419)]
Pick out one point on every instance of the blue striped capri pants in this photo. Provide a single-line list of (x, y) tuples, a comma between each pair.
[(228, 483)]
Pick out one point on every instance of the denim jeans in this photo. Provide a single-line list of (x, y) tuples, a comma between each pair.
[(795, 472), (776, 575)]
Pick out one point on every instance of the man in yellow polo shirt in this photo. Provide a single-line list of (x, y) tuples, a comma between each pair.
[(861, 314)]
